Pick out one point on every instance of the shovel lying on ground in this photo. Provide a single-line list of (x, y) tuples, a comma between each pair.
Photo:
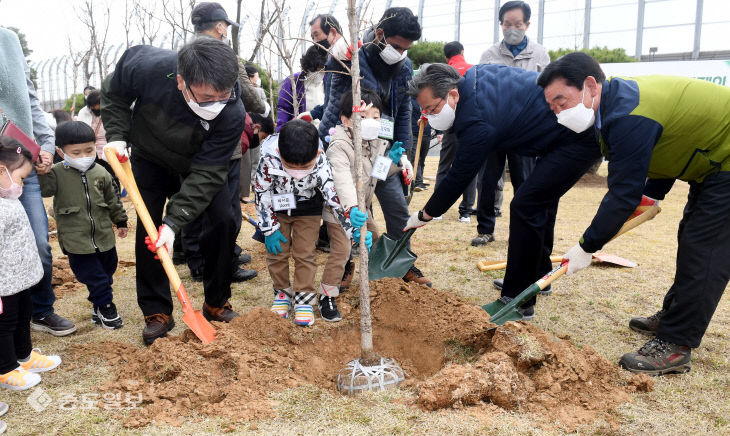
[(257, 236), (193, 318), (501, 313), (491, 265), (390, 257)]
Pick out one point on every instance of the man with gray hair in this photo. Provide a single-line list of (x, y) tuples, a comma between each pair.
[(186, 122), (497, 109)]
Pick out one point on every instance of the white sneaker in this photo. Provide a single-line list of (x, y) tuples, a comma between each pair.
[(19, 379), (466, 218), (437, 218)]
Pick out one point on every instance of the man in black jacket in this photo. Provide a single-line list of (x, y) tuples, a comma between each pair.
[(186, 121)]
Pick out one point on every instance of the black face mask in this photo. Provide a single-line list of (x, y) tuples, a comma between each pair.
[(96, 112), (324, 43), (255, 141)]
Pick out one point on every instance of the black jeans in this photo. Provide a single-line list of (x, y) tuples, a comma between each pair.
[(519, 168), (190, 235), (449, 145), (533, 210), (15, 330), (157, 184), (96, 271), (703, 262), (421, 159)]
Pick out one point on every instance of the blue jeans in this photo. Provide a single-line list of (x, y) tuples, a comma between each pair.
[(393, 204), (41, 294)]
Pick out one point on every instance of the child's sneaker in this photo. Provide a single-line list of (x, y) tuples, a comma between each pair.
[(282, 302), (328, 309), (38, 362), (107, 316), (19, 379), (303, 310)]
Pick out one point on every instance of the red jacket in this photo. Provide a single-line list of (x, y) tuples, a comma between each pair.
[(247, 134), (460, 64)]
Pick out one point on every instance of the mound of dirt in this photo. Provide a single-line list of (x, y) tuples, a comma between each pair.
[(519, 366), (63, 280)]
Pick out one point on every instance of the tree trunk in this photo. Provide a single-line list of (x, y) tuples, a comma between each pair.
[(237, 30)]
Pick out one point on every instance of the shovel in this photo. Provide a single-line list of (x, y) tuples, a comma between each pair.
[(501, 313), (421, 127), (390, 257), (193, 318), (491, 265), (257, 236)]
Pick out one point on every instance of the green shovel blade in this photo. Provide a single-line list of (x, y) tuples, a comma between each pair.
[(390, 257), (500, 313)]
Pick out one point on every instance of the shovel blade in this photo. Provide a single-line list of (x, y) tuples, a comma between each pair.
[(203, 329), (390, 258), (613, 260)]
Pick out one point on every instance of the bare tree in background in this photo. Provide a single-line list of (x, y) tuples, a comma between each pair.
[(148, 25), (176, 13), (127, 21), (235, 29), (265, 21), (97, 34), (78, 58)]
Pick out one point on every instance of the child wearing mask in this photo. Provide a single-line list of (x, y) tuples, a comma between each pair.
[(20, 269), (292, 183), (87, 205), (376, 164)]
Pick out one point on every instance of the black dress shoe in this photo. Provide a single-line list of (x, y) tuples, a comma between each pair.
[(241, 275), (196, 274), (242, 259)]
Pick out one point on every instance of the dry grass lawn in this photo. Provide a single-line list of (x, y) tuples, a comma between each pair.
[(593, 308)]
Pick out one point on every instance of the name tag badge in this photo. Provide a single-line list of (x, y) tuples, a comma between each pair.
[(284, 202), (387, 128), (381, 167)]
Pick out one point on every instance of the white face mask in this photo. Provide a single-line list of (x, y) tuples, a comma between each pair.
[(81, 163), (444, 119), (258, 82), (390, 56), (207, 112), (339, 49), (578, 118), (370, 128)]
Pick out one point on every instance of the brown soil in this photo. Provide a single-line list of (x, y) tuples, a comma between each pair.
[(63, 280), (518, 367)]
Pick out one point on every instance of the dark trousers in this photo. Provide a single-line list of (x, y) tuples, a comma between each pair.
[(15, 330), (449, 144), (519, 168), (703, 262), (421, 159), (393, 204), (96, 271), (533, 210), (157, 184), (190, 239)]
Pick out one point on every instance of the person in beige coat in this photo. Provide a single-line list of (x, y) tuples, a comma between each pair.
[(375, 162)]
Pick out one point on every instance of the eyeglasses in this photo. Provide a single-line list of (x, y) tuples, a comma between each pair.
[(210, 103), (430, 112)]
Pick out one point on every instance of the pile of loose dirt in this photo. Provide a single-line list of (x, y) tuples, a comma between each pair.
[(63, 280), (260, 353)]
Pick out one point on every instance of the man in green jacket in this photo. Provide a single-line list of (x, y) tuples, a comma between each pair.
[(664, 128), (187, 120)]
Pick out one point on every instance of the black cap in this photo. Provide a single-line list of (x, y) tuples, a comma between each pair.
[(207, 12)]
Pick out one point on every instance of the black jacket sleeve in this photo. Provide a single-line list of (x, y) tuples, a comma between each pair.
[(631, 140)]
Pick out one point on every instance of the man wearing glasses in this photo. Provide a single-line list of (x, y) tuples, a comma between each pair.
[(186, 121)]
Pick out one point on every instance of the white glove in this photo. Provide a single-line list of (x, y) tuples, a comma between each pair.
[(578, 259), (416, 220), (120, 147), (407, 169), (165, 237)]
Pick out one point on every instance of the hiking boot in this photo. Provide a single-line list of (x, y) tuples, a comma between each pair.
[(196, 274), (348, 275), (38, 362), (658, 357), (646, 325), (242, 259), (328, 309), (241, 275), (303, 310), (178, 257), (107, 317), (415, 275), (527, 312), (465, 218), (220, 314), (19, 379), (482, 239), (157, 326), (54, 324), (499, 283)]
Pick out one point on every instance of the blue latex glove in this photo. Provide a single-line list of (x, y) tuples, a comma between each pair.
[(357, 218), (368, 238), (273, 242), (396, 151)]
